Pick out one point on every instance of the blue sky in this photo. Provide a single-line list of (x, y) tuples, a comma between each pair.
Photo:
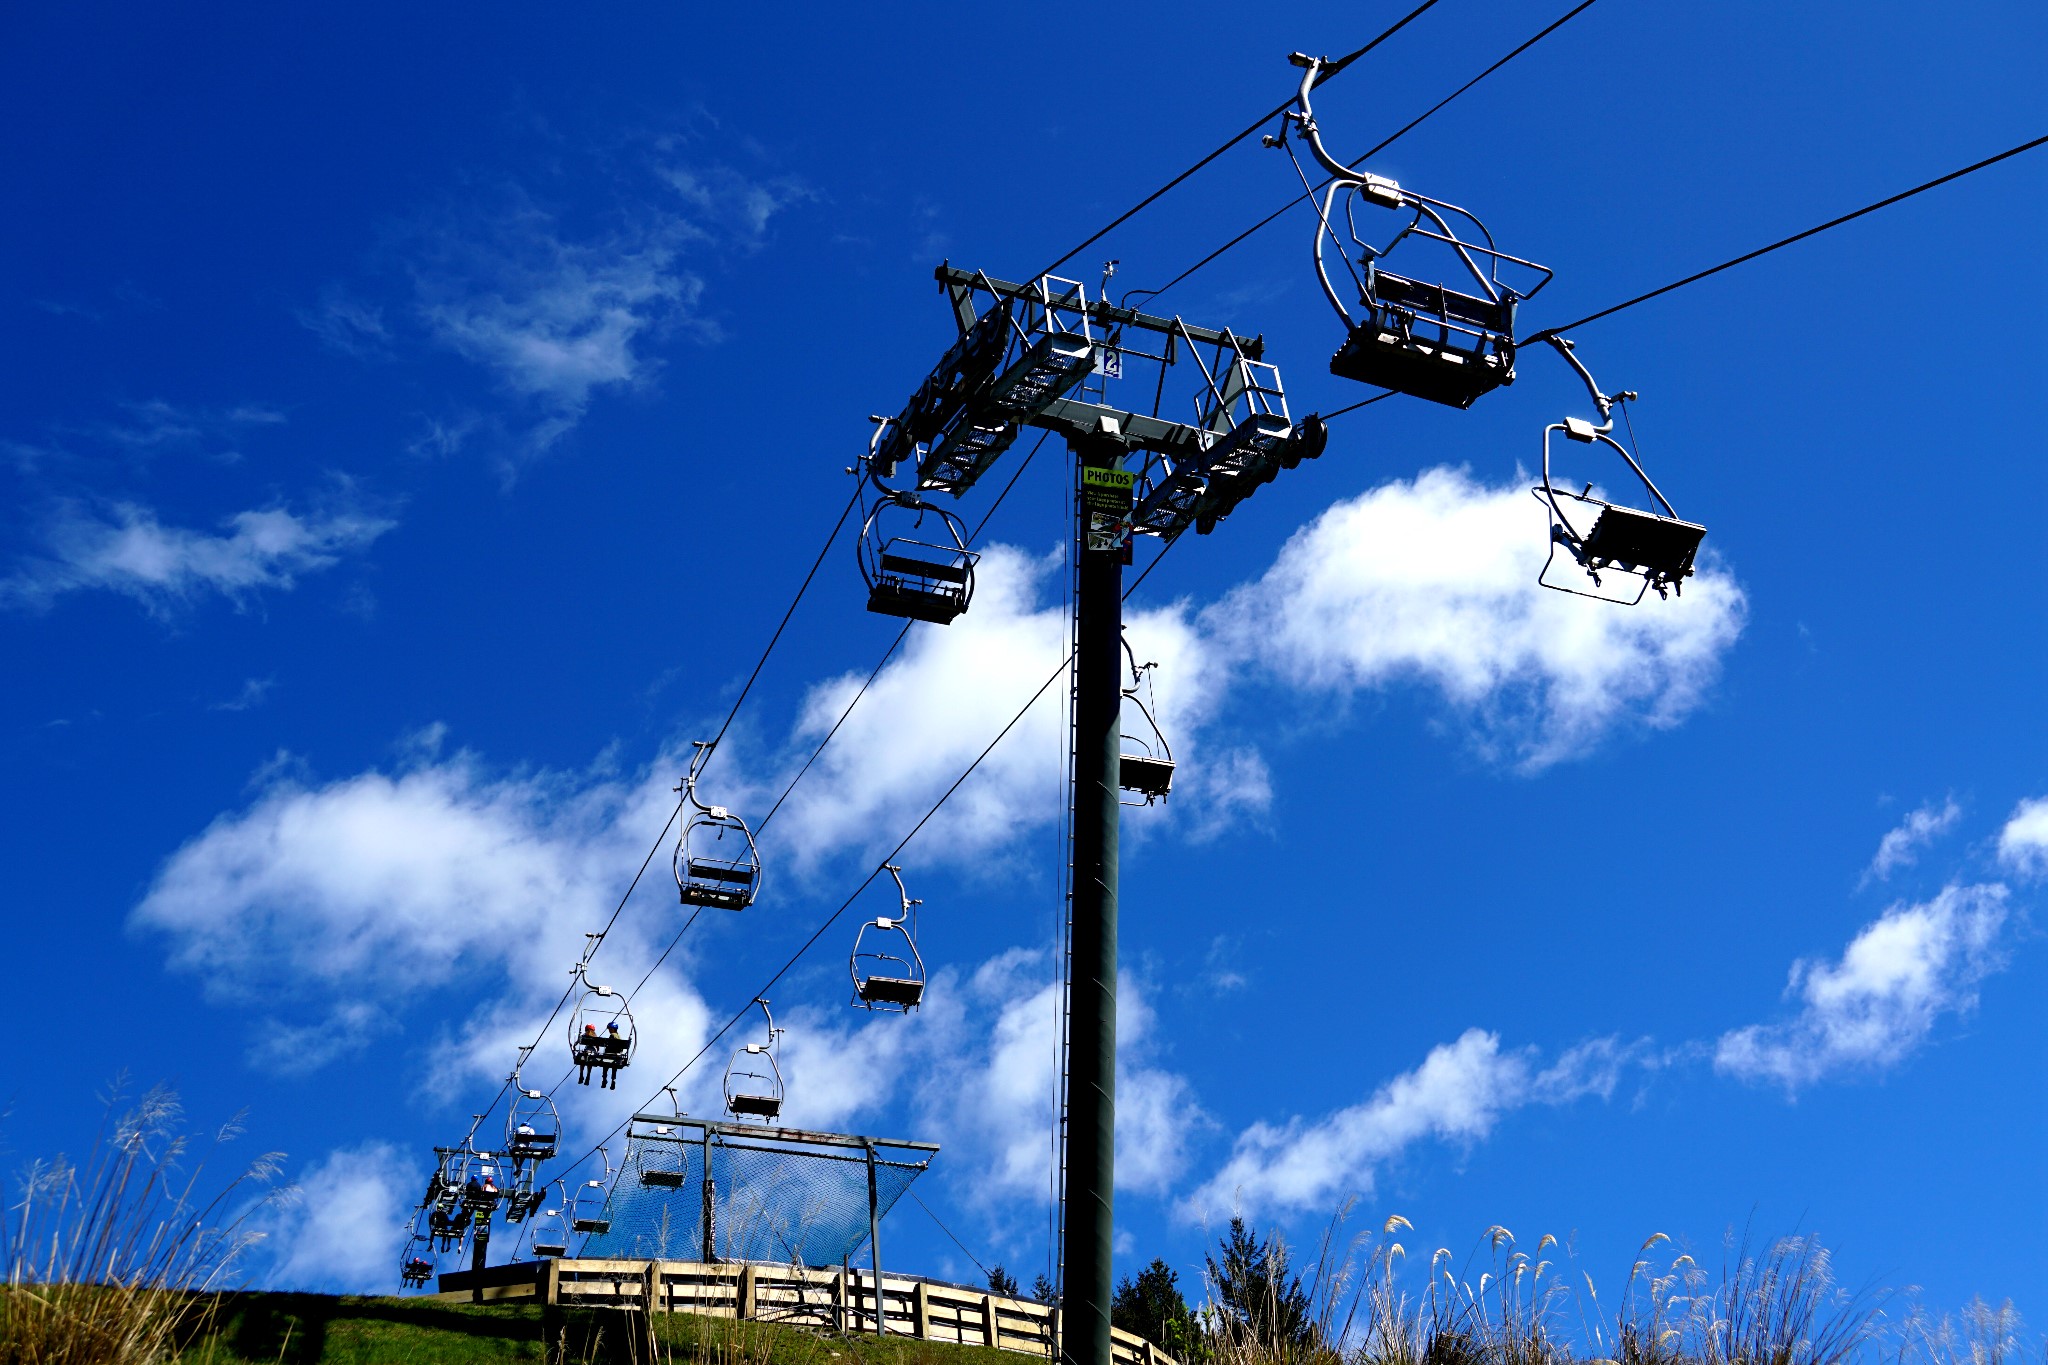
[(415, 425)]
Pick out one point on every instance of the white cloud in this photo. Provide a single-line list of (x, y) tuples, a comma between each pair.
[(300, 1049), (1871, 1008), (130, 552), (558, 318), (720, 199), (347, 324), (555, 319), (962, 684), (2023, 843), (1432, 580), (344, 1231), (382, 883), (252, 695), (977, 1065), (155, 426), (1459, 1093), (1900, 847)]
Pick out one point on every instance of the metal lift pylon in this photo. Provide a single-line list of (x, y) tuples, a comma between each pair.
[(1137, 473)]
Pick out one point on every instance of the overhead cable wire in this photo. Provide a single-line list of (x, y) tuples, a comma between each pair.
[(1383, 144), (949, 1233), (1361, 403), (847, 904), (894, 645), (861, 692), (1699, 275), (1329, 70), (659, 839), (844, 905), (802, 588)]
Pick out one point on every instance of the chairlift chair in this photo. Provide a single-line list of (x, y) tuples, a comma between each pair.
[(885, 980), (523, 1198), (587, 1212), (481, 1192), (533, 1126), (922, 580), (753, 1079), (1617, 553), (1414, 337), (1145, 766), (716, 863), (415, 1269), (550, 1230), (448, 1228), (601, 1032)]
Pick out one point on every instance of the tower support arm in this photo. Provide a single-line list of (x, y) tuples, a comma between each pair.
[(961, 285)]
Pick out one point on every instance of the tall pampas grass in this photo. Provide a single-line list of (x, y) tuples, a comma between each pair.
[(111, 1262)]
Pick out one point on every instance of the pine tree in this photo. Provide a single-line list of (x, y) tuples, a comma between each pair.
[(1151, 1305), (1255, 1291), (1001, 1281), (1042, 1290)]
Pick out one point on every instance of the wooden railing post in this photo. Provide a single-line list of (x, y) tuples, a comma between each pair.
[(745, 1307), (989, 1335), (650, 1288), (920, 1310)]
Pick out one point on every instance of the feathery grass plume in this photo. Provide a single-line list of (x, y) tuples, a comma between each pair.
[(1985, 1335), (1781, 1306), (111, 1263)]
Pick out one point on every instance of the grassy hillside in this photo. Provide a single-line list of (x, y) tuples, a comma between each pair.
[(317, 1329)]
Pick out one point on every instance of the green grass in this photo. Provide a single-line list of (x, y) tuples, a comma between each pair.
[(318, 1329)]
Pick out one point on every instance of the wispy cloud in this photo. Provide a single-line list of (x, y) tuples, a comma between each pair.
[(155, 427), (1901, 846), (1883, 997), (1459, 1093), (126, 549), (557, 317), (347, 324), (344, 1230), (1430, 580), (720, 201), (2023, 842), (252, 695), (553, 319)]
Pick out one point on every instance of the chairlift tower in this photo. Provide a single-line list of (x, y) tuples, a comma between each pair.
[(1043, 354)]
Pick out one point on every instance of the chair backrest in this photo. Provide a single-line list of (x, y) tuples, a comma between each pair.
[(923, 568), (1389, 290)]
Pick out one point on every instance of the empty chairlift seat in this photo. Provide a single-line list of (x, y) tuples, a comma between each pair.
[(1145, 775), (756, 1106), (753, 1081), (1429, 341), (922, 582), (888, 971), (928, 579), (1145, 765), (717, 884), (1616, 553)]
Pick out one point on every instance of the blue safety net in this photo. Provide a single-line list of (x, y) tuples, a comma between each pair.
[(771, 1199)]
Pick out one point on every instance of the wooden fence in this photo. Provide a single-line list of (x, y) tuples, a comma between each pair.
[(835, 1300)]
